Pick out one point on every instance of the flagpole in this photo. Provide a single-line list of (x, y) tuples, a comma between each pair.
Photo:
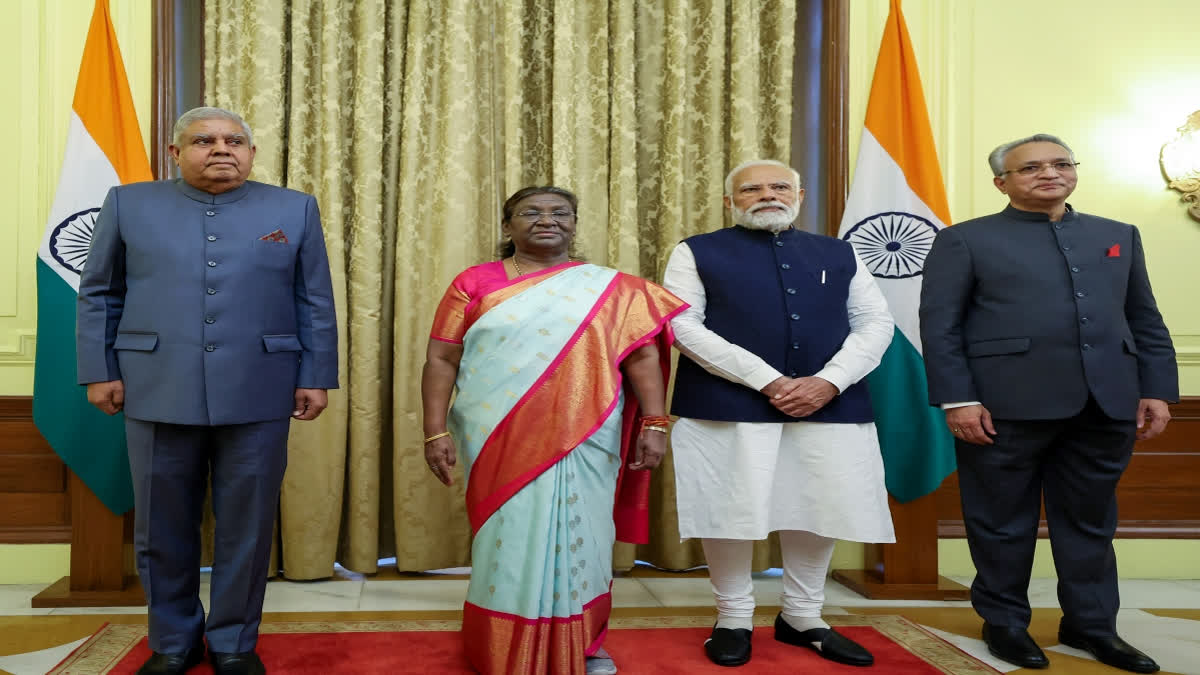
[(104, 148), (894, 208)]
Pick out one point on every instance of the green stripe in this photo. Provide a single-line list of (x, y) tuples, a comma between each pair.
[(918, 450), (91, 443)]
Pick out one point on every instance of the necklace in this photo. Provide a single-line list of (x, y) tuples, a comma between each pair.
[(517, 267)]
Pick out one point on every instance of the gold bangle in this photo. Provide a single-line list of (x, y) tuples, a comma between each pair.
[(649, 427), (437, 436)]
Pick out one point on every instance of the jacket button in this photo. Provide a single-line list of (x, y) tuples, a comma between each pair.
[(1080, 294), (1086, 346), (795, 317), (210, 348), (210, 213), (1066, 248), (793, 374), (785, 266), (1074, 269), (209, 319), (778, 243), (791, 291), (212, 263), (795, 345), (211, 238), (1058, 226), (1083, 319), (212, 291)]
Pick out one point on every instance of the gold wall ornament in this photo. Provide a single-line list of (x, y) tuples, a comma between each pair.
[(1180, 161)]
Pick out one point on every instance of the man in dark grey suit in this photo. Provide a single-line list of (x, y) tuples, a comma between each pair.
[(206, 314), (1044, 344)]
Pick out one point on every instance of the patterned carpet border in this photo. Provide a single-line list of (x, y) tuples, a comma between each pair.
[(104, 650)]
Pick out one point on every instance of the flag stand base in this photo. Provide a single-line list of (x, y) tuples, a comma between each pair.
[(101, 571), (871, 585), (907, 569), (59, 594)]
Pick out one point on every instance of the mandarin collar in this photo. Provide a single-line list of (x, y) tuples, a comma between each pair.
[(199, 195), (767, 233), (1036, 216)]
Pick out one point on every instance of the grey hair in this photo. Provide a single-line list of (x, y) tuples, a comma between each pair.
[(997, 157), (206, 113), (757, 162)]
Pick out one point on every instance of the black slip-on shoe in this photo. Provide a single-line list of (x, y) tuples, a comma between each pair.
[(728, 646), (825, 641)]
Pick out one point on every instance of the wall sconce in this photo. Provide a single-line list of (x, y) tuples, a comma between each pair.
[(1180, 161)]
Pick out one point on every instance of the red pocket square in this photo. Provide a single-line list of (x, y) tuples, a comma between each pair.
[(280, 237), (1114, 251)]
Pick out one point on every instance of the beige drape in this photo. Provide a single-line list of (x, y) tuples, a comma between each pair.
[(411, 122)]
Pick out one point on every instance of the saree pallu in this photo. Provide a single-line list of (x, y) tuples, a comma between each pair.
[(544, 424)]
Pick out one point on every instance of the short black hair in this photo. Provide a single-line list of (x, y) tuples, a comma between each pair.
[(507, 248)]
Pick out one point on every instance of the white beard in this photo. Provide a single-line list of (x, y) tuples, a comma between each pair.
[(771, 221)]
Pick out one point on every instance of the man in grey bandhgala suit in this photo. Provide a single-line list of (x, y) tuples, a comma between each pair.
[(1043, 342), (206, 314)]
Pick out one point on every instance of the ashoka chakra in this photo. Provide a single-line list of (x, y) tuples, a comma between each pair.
[(70, 240), (893, 245)]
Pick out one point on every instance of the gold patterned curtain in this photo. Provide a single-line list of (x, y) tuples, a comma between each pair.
[(411, 122)]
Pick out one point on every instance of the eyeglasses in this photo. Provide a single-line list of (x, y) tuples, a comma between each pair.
[(1035, 169), (556, 216)]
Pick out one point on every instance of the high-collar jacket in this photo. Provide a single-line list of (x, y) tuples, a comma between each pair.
[(212, 309), (1031, 317)]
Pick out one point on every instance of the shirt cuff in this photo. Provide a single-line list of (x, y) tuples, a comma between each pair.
[(835, 376), (960, 404), (761, 377)]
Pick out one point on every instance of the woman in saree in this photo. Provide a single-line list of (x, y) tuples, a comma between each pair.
[(560, 371)]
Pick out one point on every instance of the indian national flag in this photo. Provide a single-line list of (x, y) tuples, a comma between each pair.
[(896, 206), (104, 148)]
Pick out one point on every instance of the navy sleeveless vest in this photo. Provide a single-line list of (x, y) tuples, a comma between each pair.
[(782, 297)]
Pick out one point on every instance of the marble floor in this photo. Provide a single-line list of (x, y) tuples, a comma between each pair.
[(1160, 617)]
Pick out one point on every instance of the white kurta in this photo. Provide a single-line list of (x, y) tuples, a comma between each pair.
[(741, 480)]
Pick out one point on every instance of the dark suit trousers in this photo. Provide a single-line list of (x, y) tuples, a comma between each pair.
[(1074, 464), (171, 465)]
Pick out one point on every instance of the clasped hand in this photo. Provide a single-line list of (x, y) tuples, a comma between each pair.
[(800, 396)]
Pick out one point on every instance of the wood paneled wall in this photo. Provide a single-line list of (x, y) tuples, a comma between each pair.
[(1158, 497), (34, 508)]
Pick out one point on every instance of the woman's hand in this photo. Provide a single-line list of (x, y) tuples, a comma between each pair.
[(649, 451), (440, 456)]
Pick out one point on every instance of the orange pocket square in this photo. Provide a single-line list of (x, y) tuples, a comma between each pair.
[(276, 236)]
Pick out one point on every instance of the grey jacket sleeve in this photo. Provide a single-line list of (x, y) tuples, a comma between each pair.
[(1158, 373), (315, 315), (101, 298), (945, 291)]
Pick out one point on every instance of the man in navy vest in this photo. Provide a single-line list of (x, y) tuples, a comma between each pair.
[(1044, 344), (206, 314), (775, 431)]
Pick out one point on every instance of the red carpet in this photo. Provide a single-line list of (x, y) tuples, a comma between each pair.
[(640, 646)]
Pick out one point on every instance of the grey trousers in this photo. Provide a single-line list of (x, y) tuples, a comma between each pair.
[(171, 464)]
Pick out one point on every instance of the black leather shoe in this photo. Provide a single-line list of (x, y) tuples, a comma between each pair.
[(824, 641), (1013, 644), (1110, 650), (728, 646), (237, 663), (172, 664)]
